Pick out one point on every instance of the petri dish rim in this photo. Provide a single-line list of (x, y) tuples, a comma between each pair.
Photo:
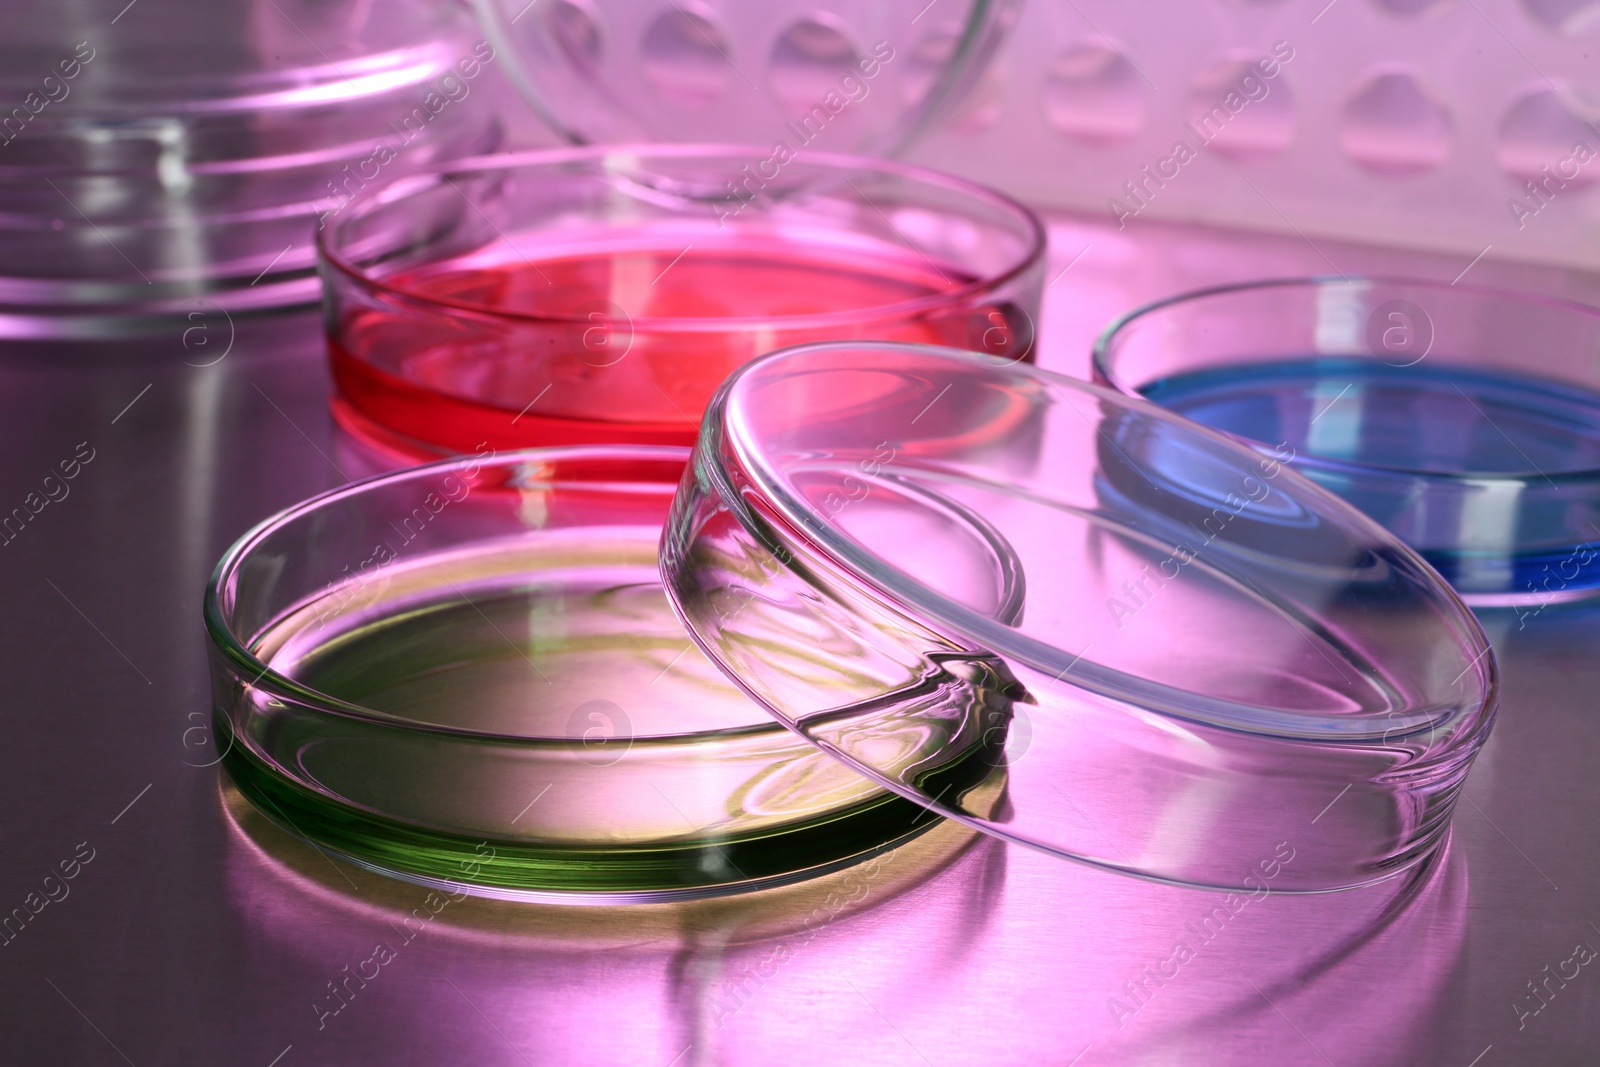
[(901, 592), (371, 200), (1103, 357), (225, 639), (827, 833)]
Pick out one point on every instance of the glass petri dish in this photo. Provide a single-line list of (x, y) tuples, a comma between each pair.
[(865, 77), (600, 295), (468, 675), (172, 170), (1186, 663), (1465, 420)]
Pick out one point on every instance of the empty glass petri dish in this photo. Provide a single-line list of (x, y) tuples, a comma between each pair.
[(862, 77), (1183, 661), (468, 675), (1465, 420), (174, 166), (600, 295)]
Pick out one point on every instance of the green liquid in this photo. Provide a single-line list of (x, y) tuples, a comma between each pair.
[(541, 723)]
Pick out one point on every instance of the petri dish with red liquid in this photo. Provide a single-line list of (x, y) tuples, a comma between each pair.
[(600, 295)]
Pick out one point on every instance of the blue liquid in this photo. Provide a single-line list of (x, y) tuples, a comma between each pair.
[(1517, 528)]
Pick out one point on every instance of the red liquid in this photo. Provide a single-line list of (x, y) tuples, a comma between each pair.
[(421, 379)]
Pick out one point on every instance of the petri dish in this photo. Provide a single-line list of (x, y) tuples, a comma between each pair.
[(600, 295), (863, 77), (1184, 661), (468, 675), (166, 176), (1465, 420)]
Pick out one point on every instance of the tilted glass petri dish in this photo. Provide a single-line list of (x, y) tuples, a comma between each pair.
[(594, 296), (468, 675), (1465, 420), (864, 77), (1208, 663)]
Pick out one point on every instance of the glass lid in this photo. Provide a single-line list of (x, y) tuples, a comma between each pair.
[(1136, 642)]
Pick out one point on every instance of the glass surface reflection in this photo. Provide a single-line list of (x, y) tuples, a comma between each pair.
[(953, 949)]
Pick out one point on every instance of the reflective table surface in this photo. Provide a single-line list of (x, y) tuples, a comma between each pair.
[(150, 917)]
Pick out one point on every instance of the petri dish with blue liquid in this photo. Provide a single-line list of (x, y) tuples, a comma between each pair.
[(1466, 420)]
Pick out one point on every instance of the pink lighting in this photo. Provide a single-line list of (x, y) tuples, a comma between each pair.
[(751, 533)]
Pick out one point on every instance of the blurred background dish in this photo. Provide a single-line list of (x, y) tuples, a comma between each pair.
[(178, 157), (858, 77)]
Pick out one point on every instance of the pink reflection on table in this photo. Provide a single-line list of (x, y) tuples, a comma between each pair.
[(951, 950)]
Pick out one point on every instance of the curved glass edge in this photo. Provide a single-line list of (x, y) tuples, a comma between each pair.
[(754, 493), (518, 871), (725, 530), (216, 607), (1104, 373), (1436, 510), (605, 159), (982, 33)]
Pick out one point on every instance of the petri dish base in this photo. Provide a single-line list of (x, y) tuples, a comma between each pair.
[(1510, 432), (504, 701), (1465, 420), (592, 296)]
